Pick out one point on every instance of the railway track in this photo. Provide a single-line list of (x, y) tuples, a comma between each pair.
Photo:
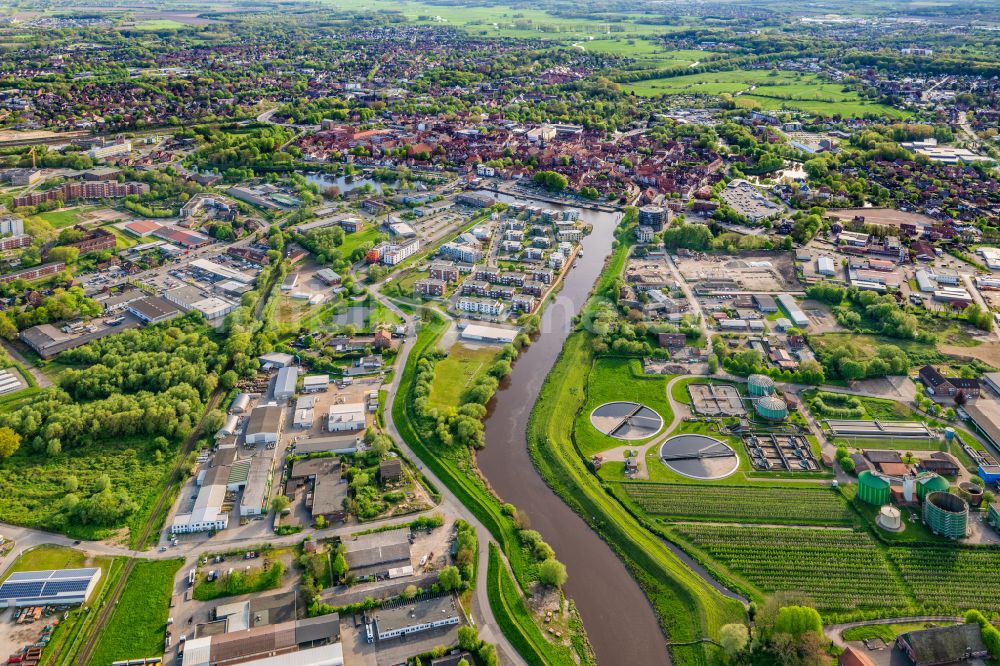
[(86, 652)]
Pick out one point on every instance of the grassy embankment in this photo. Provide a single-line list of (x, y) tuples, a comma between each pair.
[(139, 623), (689, 609), (452, 467)]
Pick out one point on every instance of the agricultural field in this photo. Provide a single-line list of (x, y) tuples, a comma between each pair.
[(159, 24), (453, 374), (949, 578), (618, 379), (137, 627), (767, 90), (506, 21), (646, 52), (741, 504), (838, 569)]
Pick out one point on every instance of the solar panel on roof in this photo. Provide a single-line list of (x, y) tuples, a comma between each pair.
[(12, 590), (22, 575), (55, 587), (73, 573)]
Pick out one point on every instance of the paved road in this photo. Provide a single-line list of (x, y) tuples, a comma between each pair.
[(834, 631), (482, 613), (40, 377)]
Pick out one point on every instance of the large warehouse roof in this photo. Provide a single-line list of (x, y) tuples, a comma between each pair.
[(55, 587)]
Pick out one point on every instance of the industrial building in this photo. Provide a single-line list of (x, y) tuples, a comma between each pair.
[(305, 414), (253, 502), (346, 417), (405, 618), (795, 313), (307, 642), (960, 643), (60, 587), (285, 383), (276, 360), (315, 383), (328, 276), (153, 309), (378, 553), (240, 404), (480, 333), (45, 339), (265, 424), (207, 514), (340, 445)]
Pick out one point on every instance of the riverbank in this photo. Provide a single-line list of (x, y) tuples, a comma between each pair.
[(455, 468), (687, 606)]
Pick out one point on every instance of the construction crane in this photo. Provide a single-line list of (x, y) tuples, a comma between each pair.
[(31, 152)]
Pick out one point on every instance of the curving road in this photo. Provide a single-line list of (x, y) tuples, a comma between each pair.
[(482, 614), (834, 631)]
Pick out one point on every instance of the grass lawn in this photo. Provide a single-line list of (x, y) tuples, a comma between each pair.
[(160, 24), (919, 352), (64, 217), (123, 240), (768, 90), (55, 557), (137, 627), (242, 582), (32, 486), (353, 241), (453, 374), (612, 379)]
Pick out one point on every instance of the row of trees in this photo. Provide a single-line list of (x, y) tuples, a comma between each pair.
[(462, 425)]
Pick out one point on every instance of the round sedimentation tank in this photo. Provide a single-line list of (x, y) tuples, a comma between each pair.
[(772, 408), (626, 420), (931, 484), (873, 489), (760, 385), (946, 514), (889, 518), (699, 456), (974, 491)]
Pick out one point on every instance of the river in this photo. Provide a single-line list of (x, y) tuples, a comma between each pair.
[(619, 619)]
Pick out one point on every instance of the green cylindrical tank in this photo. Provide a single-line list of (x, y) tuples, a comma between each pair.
[(760, 385), (931, 484), (772, 407), (873, 489), (946, 514)]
